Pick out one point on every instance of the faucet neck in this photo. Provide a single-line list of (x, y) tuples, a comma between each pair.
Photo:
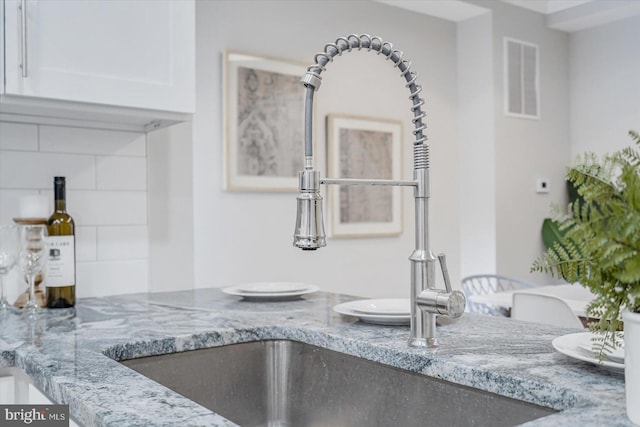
[(312, 80), (426, 301)]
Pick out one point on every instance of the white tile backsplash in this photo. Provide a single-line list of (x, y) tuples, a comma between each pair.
[(97, 279), (121, 243), (108, 207), (87, 244), (107, 196), (62, 139), (21, 169), (10, 202), (18, 136), (110, 176)]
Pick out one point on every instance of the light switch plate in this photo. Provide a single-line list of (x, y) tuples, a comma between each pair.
[(542, 185)]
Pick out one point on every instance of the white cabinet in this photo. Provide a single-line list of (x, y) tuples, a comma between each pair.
[(79, 59), (7, 388), (16, 388)]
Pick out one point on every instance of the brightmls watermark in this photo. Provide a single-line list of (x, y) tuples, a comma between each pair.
[(34, 415)]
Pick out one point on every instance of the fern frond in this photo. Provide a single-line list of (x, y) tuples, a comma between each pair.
[(605, 342), (600, 242), (631, 271)]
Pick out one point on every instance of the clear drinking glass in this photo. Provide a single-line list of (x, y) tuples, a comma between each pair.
[(32, 258), (8, 256)]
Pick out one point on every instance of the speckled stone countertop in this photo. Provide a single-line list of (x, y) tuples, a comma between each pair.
[(74, 360)]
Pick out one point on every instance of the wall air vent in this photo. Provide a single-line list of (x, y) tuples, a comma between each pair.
[(521, 79)]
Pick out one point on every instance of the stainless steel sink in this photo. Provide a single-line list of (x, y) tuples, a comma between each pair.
[(287, 383)]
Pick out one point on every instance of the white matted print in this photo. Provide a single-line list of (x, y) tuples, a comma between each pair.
[(264, 122), (364, 148)]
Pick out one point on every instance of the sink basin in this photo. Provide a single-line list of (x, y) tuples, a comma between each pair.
[(287, 383)]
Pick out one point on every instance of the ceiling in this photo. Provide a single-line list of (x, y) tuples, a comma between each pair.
[(547, 6), (563, 15)]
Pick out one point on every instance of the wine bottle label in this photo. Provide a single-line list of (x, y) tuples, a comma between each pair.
[(61, 269)]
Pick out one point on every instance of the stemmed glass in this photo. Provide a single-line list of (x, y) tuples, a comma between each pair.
[(8, 258), (33, 256)]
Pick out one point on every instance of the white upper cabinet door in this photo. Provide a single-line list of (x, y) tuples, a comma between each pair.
[(129, 53)]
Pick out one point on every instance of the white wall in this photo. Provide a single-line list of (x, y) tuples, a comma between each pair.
[(171, 230), (476, 124), (485, 177), (242, 237), (106, 175), (529, 149), (605, 86)]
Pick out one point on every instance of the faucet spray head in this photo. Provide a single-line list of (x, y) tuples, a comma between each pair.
[(309, 232)]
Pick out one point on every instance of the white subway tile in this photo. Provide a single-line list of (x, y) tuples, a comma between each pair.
[(86, 246), (18, 136), (106, 195), (98, 279), (92, 141), (121, 173), (31, 170), (123, 243), (10, 203), (85, 236), (108, 207)]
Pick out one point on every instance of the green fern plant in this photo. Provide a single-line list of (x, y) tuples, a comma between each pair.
[(600, 243)]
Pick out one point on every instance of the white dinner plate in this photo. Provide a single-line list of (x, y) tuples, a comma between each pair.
[(616, 355), (271, 287), (387, 307), (570, 345), (270, 291), (353, 308)]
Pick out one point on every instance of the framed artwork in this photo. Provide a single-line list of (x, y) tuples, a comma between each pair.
[(264, 123), (367, 148)]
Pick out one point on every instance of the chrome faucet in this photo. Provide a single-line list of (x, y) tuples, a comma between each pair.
[(427, 302)]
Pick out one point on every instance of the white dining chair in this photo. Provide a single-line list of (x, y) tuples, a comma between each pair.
[(546, 309), (484, 284)]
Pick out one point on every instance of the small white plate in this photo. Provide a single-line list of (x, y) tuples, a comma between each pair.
[(270, 291), (380, 318), (387, 307), (271, 287), (570, 345), (617, 355)]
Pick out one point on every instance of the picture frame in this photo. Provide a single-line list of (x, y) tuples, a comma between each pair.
[(263, 122), (366, 148)]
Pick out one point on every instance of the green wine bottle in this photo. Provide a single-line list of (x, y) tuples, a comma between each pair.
[(60, 275)]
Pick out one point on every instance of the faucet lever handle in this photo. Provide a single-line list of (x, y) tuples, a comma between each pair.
[(445, 272), (437, 301)]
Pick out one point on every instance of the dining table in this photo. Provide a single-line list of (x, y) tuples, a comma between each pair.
[(575, 295)]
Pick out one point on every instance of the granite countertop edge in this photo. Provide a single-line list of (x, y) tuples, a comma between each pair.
[(75, 361)]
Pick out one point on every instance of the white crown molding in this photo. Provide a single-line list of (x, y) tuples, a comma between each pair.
[(562, 15), (593, 14), (547, 6), (451, 10)]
